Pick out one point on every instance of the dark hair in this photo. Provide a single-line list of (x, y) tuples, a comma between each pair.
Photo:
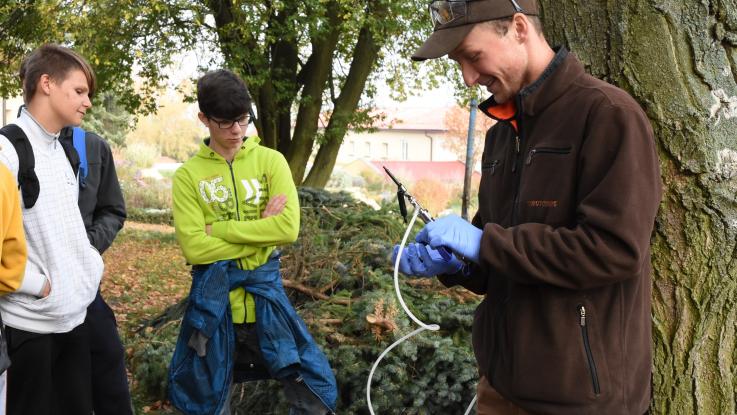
[(223, 94), (56, 62)]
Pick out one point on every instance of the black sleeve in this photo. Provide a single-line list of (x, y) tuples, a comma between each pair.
[(109, 213)]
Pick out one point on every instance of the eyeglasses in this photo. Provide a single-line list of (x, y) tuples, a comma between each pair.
[(228, 124), (443, 12)]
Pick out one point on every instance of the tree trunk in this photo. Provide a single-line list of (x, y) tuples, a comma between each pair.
[(364, 58), (314, 78), (679, 60)]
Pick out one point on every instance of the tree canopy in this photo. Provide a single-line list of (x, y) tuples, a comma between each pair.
[(313, 66)]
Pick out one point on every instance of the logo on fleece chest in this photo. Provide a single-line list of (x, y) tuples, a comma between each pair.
[(244, 200)]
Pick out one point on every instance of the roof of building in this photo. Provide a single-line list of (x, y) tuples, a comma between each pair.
[(412, 118)]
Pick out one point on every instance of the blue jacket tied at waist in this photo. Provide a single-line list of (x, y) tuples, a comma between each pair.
[(199, 382)]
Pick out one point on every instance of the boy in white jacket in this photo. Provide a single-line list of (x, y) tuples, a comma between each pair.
[(47, 338)]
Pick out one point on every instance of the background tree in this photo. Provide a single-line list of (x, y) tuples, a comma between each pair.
[(679, 60), (456, 121), (301, 58), (122, 39), (22, 25), (174, 129), (109, 118)]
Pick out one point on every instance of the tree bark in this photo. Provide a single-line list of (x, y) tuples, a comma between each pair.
[(679, 60), (280, 87), (364, 58)]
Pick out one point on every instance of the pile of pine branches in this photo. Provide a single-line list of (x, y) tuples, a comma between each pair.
[(339, 277)]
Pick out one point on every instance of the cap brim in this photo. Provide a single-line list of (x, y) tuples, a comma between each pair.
[(442, 42)]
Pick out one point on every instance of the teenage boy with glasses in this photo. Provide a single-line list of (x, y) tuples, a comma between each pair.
[(236, 200), (560, 245)]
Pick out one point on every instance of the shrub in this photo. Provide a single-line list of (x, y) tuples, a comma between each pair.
[(146, 193), (150, 353), (434, 195), (155, 216), (140, 155)]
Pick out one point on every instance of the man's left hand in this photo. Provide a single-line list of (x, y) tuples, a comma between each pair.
[(454, 233), (422, 261)]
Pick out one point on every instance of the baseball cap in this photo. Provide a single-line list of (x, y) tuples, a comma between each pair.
[(454, 19)]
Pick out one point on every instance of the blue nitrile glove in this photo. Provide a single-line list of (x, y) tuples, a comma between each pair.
[(454, 233), (423, 261)]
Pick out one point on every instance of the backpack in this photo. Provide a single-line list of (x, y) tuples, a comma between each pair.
[(74, 149)]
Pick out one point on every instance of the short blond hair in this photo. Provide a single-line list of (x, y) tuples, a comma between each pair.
[(56, 62)]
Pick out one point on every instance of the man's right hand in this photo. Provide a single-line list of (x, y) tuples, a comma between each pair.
[(46, 290), (422, 261), (275, 206)]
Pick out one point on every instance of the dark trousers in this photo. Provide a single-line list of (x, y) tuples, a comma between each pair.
[(110, 393), (49, 373)]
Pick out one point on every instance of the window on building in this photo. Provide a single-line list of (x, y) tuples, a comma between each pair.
[(352, 148), (385, 154), (367, 149), (405, 150)]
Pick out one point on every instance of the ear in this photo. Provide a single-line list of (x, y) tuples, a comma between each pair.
[(203, 119), (44, 84), (521, 27)]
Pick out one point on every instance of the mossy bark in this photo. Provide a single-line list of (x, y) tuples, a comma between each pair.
[(679, 60)]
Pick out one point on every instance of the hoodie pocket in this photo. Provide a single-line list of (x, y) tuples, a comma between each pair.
[(93, 274), (97, 259)]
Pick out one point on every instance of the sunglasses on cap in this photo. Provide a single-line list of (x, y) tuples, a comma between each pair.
[(443, 12)]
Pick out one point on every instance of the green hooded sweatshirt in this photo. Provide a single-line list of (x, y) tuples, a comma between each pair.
[(207, 190)]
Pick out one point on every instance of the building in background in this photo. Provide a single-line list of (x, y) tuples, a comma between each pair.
[(413, 142), (405, 134)]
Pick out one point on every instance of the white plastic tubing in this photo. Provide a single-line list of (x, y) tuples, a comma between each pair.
[(423, 326)]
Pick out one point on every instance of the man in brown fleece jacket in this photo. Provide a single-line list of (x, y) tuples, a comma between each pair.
[(560, 245)]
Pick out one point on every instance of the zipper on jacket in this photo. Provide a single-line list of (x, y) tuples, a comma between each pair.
[(516, 152), (235, 195), (587, 347), (238, 216), (517, 143), (545, 150)]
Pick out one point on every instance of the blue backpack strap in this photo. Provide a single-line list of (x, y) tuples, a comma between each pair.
[(78, 140)]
